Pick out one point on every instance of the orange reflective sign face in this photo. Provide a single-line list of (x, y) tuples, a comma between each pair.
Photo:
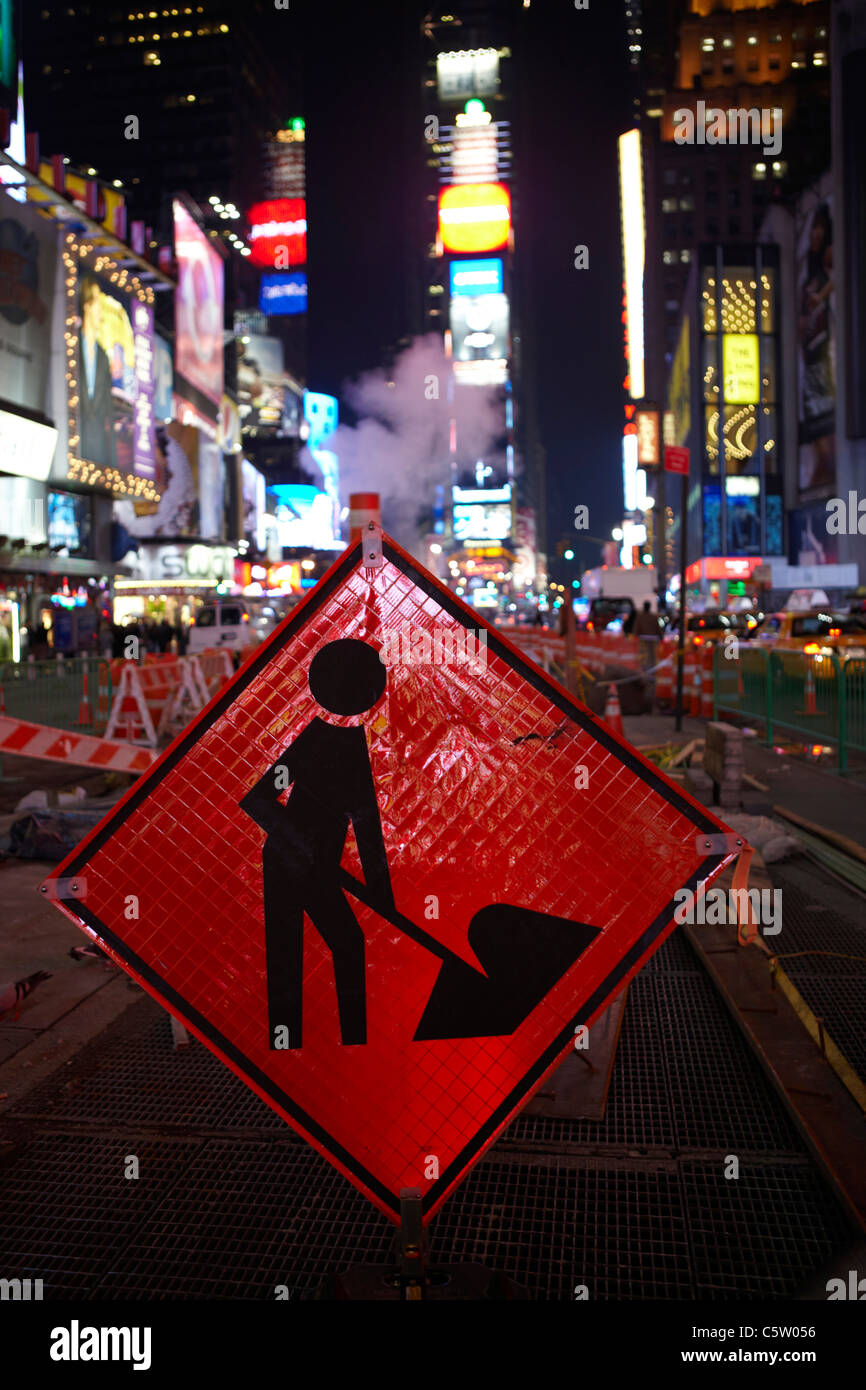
[(474, 217), (387, 874)]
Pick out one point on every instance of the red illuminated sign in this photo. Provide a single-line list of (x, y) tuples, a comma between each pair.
[(676, 459), (395, 991), (723, 567), (278, 233), (474, 217)]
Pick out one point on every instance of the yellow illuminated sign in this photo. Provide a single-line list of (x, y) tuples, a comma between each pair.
[(740, 368)]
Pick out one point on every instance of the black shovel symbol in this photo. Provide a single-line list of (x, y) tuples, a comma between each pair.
[(522, 953)]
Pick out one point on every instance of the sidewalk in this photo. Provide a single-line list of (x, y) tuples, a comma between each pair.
[(837, 803)]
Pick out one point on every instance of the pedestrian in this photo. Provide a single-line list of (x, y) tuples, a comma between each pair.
[(646, 629)]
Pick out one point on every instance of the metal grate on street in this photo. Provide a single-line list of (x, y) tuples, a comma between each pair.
[(230, 1204), (816, 917)]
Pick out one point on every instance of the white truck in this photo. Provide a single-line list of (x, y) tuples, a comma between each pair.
[(614, 593)]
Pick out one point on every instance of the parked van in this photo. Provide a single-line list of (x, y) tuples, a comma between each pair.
[(224, 622)]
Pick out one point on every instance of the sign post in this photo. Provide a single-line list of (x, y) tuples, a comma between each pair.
[(677, 461)]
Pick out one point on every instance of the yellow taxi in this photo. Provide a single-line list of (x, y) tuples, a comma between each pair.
[(817, 633)]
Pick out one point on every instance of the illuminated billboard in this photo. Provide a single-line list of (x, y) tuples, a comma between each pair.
[(278, 233), (261, 383), (284, 292), (632, 216), (111, 375), (304, 517), (322, 416), (472, 72), (474, 217), (476, 277), (198, 311), (481, 514), (648, 438), (740, 370), (479, 327)]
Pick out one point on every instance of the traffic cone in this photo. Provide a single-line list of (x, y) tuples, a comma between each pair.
[(612, 711), (811, 706)]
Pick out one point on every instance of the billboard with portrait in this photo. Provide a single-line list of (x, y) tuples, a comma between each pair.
[(112, 382), (198, 308)]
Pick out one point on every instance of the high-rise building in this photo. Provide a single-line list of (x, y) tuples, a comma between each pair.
[(732, 104), (165, 97), (475, 292)]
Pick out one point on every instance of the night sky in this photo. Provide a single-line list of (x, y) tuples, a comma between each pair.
[(361, 104)]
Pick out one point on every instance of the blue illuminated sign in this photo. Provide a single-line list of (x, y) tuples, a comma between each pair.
[(322, 416), (476, 277), (283, 293)]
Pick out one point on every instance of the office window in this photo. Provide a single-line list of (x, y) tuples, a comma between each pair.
[(708, 44), (728, 41), (669, 257), (669, 205), (687, 204), (685, 257)]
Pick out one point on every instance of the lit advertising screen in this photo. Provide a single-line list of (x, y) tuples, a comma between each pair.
[(261, 384), (304, 517), (198, 308), (474, 217), (479, 327), (69, 523), (278, 233), (163, 370), (322, 416), (467, 73), (481, 514), (283, 293), (740, 370), (111, 363), (476, 278)]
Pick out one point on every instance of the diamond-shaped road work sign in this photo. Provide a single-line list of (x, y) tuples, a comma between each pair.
[(386, 893)]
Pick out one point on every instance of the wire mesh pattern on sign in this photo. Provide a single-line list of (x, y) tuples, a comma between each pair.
[(481, 812)]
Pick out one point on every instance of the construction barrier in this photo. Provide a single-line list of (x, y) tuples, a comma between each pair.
[(153, 700), (820, 698), (27, 740), (212, 670)]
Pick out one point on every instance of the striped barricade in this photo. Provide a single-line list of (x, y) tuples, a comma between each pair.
[(28, 740), (144, 701), (212, 670)]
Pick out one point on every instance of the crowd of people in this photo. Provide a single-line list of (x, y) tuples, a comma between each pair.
[(155, 635)]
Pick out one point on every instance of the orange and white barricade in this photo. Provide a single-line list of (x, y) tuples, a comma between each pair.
[(212, 671), (26, 740), (144, 700), (666, 674), (186, 700)]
